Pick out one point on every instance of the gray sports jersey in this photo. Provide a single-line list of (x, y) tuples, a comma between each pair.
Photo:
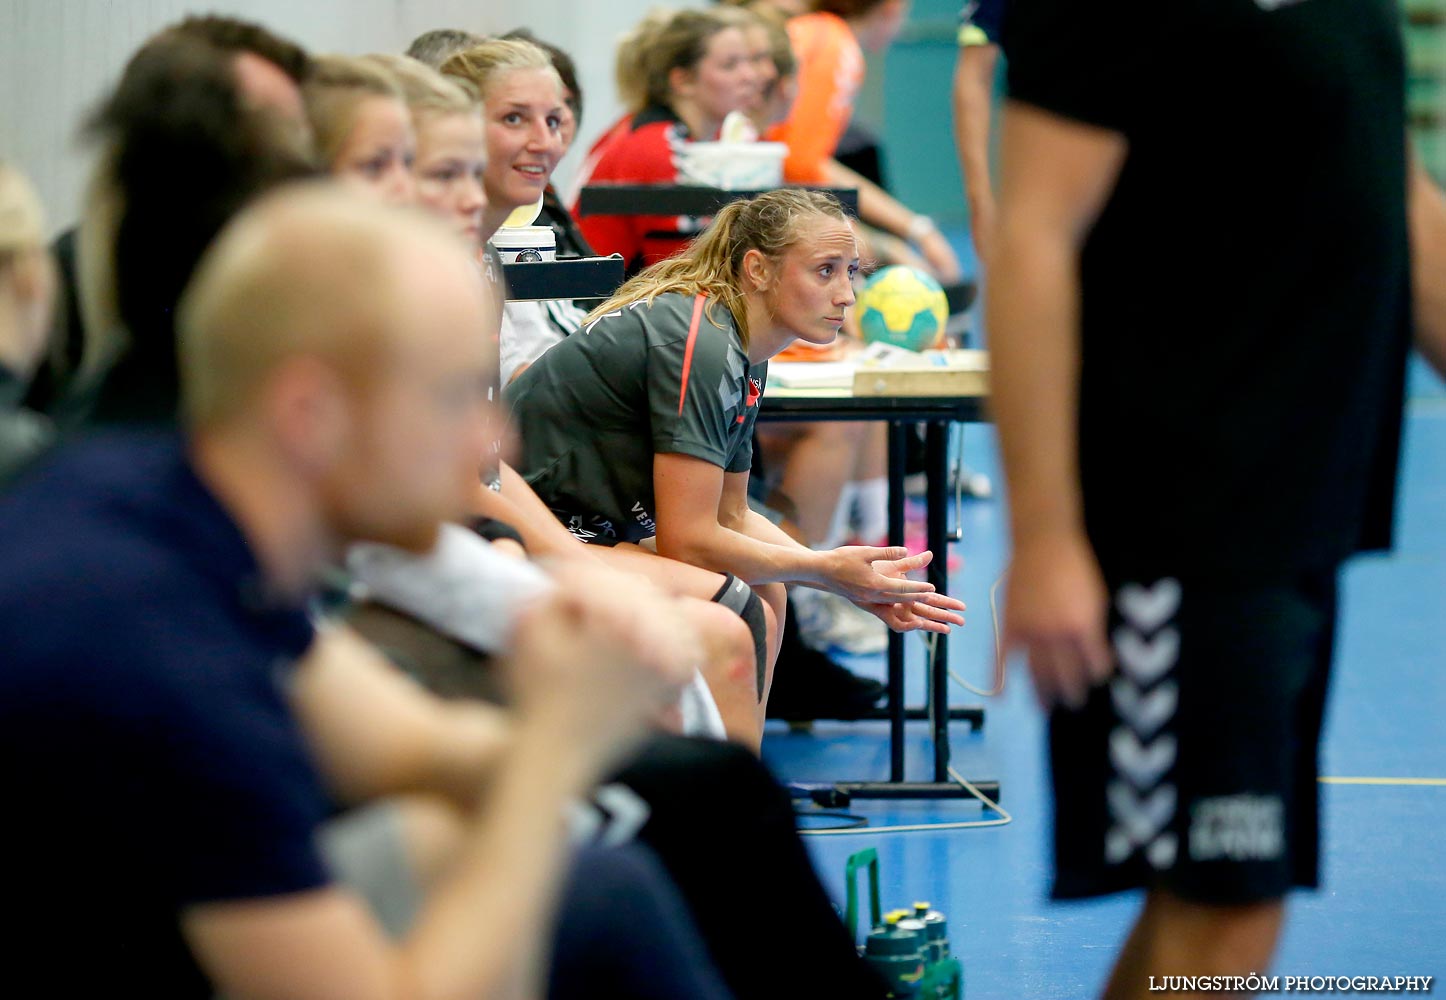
[(594, 410)]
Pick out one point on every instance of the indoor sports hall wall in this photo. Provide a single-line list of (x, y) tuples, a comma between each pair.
[(57, 57), (906, 100)]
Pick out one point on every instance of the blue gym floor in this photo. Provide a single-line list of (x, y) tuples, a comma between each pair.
[(1382, 908)]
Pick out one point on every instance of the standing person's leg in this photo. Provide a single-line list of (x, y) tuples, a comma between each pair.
[(1193, 774), (1175, 937)]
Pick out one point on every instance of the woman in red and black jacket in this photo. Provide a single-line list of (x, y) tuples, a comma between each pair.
[(682, 72)]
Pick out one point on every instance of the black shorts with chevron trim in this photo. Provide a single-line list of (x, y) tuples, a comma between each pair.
[(1194, 769)]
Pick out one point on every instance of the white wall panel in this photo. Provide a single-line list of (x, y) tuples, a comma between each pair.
[(59, 57)]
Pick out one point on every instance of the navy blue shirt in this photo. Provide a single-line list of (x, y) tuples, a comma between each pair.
[(148, 755), (24, 434)]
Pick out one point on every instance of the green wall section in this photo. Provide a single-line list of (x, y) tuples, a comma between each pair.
[(1426, 81), (906, 100)]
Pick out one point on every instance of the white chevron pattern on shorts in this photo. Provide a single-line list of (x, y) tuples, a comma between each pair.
[(1162, 851), (612, 816), (1147, 608), (1141, 818), (1146, 660), (628, 813), (1118, 846), (1142, 804), (1145, 765), (1145, 713)]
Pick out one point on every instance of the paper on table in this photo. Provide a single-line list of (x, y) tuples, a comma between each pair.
[(812, 374)]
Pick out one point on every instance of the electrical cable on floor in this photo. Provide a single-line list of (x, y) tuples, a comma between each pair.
[(999, 664), (978, 824), (848, 821), (1004, 817)]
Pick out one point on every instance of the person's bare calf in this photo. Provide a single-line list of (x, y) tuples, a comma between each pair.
[(1176, 937)]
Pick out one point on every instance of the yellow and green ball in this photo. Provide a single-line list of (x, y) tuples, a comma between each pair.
[(902, 306)]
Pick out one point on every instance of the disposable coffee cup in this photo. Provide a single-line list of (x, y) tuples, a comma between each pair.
[(525, 244)]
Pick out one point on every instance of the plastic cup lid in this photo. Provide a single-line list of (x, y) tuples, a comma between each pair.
[(526, 215)]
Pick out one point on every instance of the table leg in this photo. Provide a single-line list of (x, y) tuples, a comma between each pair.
[(937, 459), (898, 450)]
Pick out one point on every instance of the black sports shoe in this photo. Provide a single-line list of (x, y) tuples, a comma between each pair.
[(815, 687), (808, 685)]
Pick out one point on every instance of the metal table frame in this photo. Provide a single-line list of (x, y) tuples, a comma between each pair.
[(937, 413)]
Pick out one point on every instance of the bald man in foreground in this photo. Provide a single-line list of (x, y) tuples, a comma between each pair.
[(168, 765)]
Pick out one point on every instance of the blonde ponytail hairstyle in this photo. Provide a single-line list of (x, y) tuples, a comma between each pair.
[(712, 265)]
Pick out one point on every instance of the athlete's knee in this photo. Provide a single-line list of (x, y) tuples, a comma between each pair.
[(726, 637), (742, 600), (727, 645)]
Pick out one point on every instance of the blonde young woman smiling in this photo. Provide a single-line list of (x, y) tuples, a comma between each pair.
[(527, 128), (523, 115)]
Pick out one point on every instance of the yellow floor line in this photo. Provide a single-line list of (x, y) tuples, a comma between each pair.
[(1426, 782)]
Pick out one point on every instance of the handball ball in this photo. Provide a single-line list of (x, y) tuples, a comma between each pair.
[(903, 306)]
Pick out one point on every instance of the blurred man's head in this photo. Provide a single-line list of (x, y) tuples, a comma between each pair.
[(183, 154), (265, 86), (346, 340), (270, 69)]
